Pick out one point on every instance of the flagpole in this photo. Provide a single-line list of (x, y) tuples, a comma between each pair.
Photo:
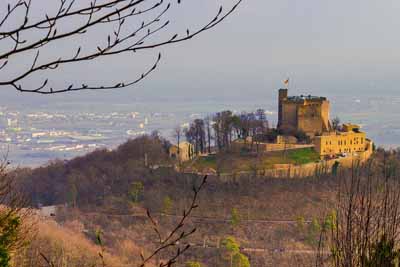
[(286, 83)]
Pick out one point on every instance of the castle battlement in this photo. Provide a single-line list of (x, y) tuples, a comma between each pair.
[(305, 99), (306, 113)]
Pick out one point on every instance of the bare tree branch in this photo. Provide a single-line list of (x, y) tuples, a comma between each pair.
[(172, 239), (176, 235), (365, 227), (119, 14)]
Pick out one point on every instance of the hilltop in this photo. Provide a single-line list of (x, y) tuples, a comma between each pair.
[(276, 218), (304, 141), (231, 162)]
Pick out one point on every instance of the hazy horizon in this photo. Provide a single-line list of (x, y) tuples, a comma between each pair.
[(342, 50), (343, 46)]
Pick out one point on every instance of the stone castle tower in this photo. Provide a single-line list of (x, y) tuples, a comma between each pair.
[(309, 114)]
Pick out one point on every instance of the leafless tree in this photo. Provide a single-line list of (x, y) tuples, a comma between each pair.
[(363, 228), (208, 125), (174, 239), (133, 25), (336, 123), (196, 135), (177, 235), (223, 127), (178, 134), (129, 26)]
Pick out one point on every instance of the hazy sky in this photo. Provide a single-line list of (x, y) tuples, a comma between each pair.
[(323, 46)]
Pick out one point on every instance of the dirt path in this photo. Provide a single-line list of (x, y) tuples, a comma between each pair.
[(197, 218)]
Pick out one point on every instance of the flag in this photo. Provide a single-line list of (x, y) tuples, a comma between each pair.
[(286, 82)]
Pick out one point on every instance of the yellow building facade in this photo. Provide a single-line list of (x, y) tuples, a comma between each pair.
[(347, 141), (182, 153)]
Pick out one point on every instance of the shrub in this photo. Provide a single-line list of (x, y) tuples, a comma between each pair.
[(240, 260), (167, 204), (235, 217), (9, 229), (192, 264), (136, 191), (230, 244)]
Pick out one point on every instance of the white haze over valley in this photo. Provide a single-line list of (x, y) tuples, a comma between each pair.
[(344, 50)]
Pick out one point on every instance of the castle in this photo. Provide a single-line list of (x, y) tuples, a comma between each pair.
[(310, 114)]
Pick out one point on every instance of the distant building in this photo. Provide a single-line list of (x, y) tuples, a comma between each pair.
[(348, 140), (184, 152), (48, 211), (309, 114)]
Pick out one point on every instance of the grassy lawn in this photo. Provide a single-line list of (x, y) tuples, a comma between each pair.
[(303, 156), (235, 162)]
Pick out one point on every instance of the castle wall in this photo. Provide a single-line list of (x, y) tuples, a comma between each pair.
[(325, 115), (289, 115), (304, 170), (309, 118), (237, 146), (283, 93), (313, 168), (308, 114)]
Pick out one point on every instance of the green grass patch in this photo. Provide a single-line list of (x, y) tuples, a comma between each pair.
[(230, 162), (303, 155)]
